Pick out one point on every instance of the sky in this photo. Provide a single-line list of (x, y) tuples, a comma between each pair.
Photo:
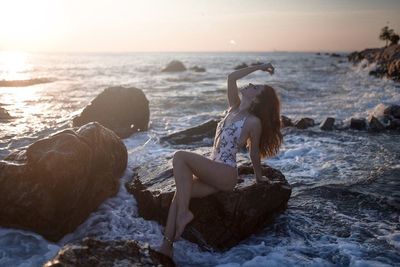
[(194, 25)]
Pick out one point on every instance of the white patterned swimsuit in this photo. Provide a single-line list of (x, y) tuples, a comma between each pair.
[(226, 141)]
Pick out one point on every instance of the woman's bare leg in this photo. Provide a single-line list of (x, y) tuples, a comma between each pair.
[(217, 175), (183, 180), (166, 247), (199, 189)]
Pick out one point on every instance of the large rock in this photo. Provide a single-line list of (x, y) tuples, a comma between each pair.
[(55, 183), (195, 134), (92, 252), (174, 66), (386, 58), (123, 110), (222, 219)]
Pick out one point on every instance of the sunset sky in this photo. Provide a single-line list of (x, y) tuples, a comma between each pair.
[(194, 25)]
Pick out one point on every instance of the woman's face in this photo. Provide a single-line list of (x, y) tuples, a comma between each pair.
[(251, 91)]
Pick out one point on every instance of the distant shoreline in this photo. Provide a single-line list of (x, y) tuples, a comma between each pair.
[(23, 83)]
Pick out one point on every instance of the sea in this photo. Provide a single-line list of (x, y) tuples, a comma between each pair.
[(345, 202)]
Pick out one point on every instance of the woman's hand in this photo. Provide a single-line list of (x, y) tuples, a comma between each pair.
[(267, 67), (262, 179)]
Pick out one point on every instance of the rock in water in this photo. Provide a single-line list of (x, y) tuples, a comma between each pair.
[(304, 123), (53, 185), (123, 110), (375, 125), (286, 121), (197, 133), (92, 252), (358, 124), (221, 220), (174, 66), (328, 124)]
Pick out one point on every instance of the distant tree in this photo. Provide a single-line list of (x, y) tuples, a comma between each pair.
[(394, 39), (386, 33)]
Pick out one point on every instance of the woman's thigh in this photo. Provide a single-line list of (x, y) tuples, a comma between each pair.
[(215, 174), (200, 189)]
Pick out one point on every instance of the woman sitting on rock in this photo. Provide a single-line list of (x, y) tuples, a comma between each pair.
[(254, 121)]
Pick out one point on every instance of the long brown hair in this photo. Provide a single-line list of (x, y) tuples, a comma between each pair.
[(267, 109)]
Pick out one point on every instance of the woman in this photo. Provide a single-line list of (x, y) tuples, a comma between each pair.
[(254, 121)]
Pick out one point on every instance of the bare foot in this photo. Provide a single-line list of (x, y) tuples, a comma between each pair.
[(181, 222), (166, 250)]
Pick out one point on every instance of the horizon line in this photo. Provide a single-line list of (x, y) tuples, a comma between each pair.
[(182, 51)]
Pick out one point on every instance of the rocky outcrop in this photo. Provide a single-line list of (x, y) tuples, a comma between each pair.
[(174, 66), (191, 135), (123, 110), (222, 219), (55, 183), (387, 60), (92, 252)]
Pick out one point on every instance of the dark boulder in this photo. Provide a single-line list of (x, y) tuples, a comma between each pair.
[(195, 134), (174, 66), (334, 55), (53, 185), (197, 69), (286, 121), (358, 124), (327, 124), (92, 252), (304, 123), (222, 219), (123, 110)]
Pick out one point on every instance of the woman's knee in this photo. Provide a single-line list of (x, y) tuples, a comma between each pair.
[(179, 157)]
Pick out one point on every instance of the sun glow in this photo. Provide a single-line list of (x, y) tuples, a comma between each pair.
[(12, 65), (25, 22)]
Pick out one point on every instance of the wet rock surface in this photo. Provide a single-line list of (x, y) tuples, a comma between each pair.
[(123, 110), (92, 252), (68, 173), (222, 219)]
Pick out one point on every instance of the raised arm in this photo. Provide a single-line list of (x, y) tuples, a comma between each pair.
[(233, 94)]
